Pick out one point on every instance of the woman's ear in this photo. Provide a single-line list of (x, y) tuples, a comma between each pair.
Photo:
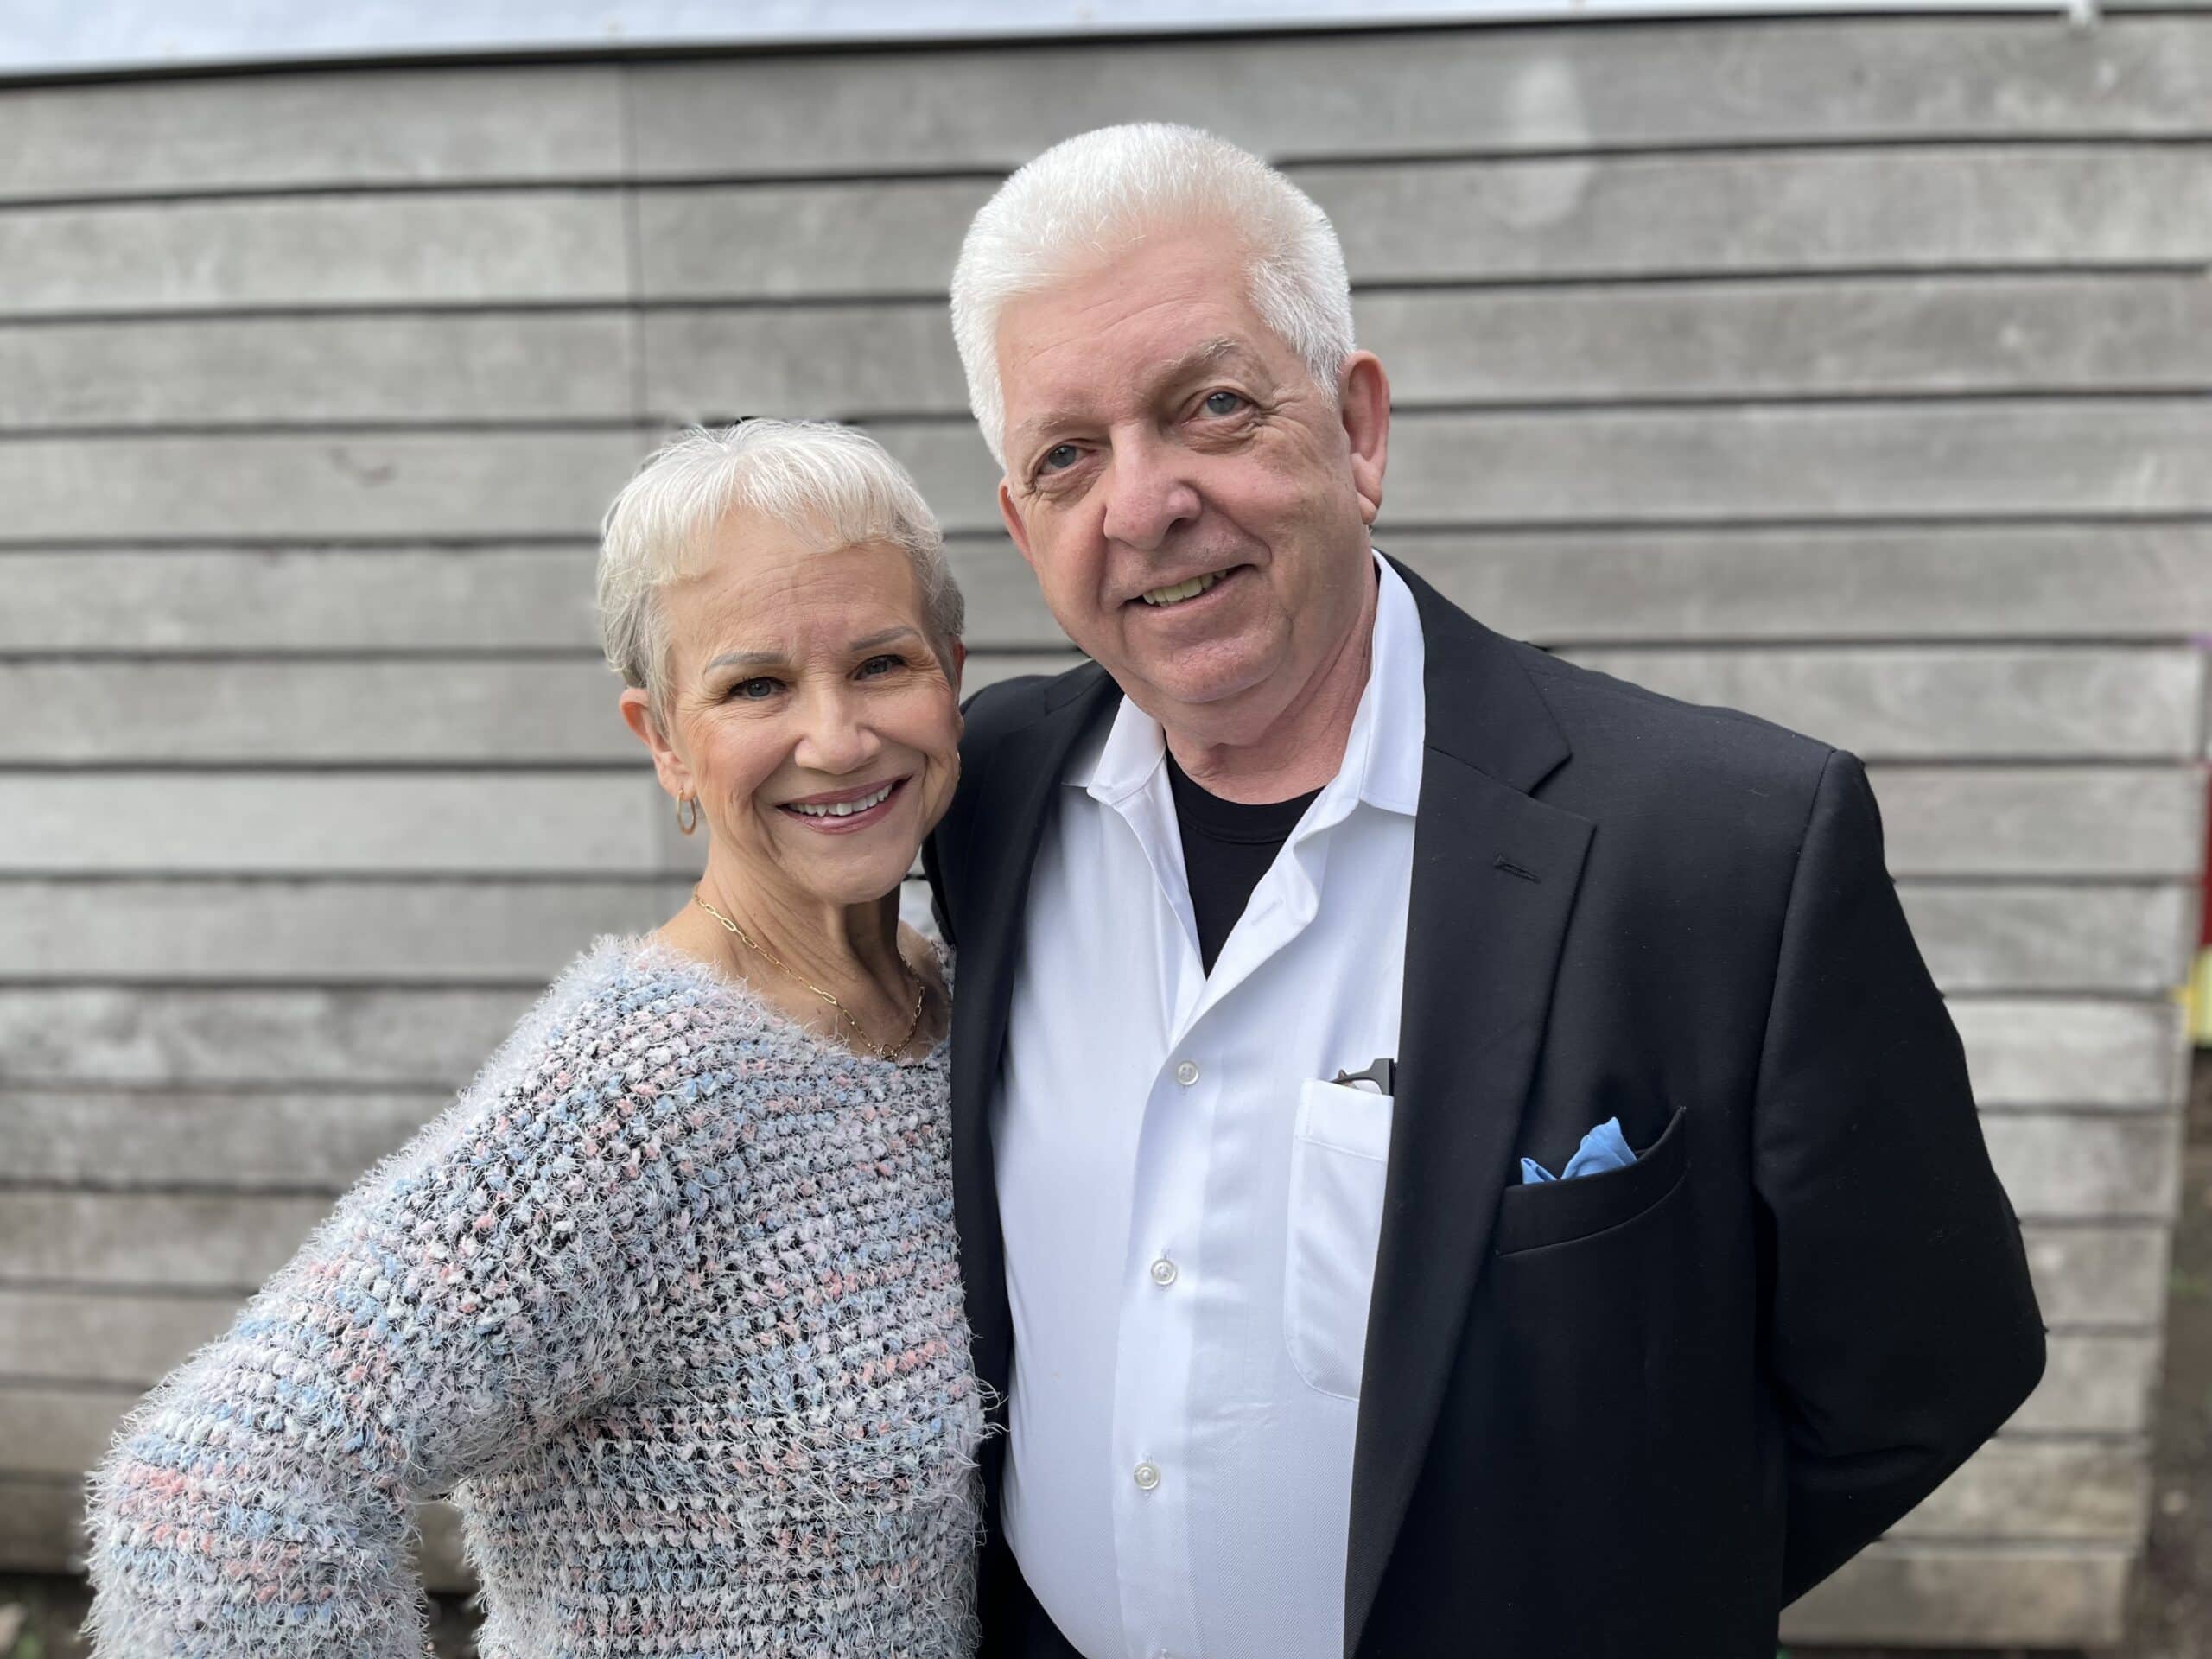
[(637, 714), (959, 663)]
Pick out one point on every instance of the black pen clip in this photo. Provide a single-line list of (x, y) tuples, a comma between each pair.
[(1383, 1074)]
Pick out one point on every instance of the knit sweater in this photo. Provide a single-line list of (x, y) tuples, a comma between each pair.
[(668, 1301)]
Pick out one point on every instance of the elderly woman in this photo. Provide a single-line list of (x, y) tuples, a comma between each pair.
[(668, 1300)]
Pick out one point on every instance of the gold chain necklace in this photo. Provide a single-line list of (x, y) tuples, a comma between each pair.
[(880, 1052)]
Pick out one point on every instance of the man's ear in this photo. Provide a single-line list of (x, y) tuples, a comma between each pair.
[(1363, 395), (668, 766), (1012, 517)]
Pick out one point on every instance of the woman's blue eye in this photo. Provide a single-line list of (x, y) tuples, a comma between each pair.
[(883, 665), (1223, 403), (1058, 458), (757, 688)]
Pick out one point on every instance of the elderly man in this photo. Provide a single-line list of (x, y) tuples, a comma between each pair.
[(1454, 1154)]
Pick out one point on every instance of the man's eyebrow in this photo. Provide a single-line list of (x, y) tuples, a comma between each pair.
[(1199, 358)]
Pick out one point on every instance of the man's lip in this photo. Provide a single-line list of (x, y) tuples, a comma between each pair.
[(839, 796), (1224, 571)]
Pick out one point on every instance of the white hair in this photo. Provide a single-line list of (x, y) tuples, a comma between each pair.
[(1091, 197), (814, 476)]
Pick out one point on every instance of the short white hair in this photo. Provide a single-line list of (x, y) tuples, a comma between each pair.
[(814, 476), (1091, 197)]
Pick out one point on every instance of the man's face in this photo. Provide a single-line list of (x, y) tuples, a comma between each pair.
[(1195, 508)]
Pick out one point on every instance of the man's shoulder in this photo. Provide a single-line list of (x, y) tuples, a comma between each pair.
[(1010, 705)]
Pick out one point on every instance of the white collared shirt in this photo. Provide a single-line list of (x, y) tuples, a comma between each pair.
[(1190, 1209)]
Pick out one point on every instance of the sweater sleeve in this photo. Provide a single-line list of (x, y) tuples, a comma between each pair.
[(473, 1293)]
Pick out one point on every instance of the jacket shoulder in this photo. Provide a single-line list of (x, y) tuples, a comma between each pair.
[(1010, 705)]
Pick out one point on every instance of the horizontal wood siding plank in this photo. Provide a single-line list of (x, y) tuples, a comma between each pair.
[(1804, 462), (1977, 936), (1818, 463), (1838, 582), (1408, 92), (2094, 1382), (170, 1036), (1867, 336), (2030, 1051), (299, 599), (1921, 703), (1569, 587), (2115, 822), (349, 485), (2088, 1167), (418, 370), (175, 1241), (298, 131), (103, 1337), (2099, 1275), (1994, 936), (1926, 1593), (232, 1138), (1930, 209), (475, 247), (2039, 1490), (1519, 220), (1894, 703)]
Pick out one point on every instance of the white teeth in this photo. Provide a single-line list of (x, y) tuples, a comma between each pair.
[(844, 809), (1182, 590)]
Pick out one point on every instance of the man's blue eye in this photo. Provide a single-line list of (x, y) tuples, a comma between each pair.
[(1223, 403), (1058, 458)]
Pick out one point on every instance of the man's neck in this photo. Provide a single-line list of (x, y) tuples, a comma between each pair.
[(1303, 747)]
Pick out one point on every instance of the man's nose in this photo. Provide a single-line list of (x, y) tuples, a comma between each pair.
[(836, 736), (1149, 494)]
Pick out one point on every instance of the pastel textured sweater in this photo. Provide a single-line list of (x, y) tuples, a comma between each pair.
[(668, 1300)]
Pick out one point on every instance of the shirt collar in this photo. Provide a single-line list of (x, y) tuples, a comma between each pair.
[(1382, 755)]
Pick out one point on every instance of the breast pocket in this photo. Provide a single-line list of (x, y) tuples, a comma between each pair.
[(1339, 1156)]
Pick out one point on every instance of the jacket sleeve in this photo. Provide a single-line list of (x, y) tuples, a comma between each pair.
[(1903, 1329), (471, 1294)]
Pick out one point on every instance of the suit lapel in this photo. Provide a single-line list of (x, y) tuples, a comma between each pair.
[(1014, 801), (1494, 872)]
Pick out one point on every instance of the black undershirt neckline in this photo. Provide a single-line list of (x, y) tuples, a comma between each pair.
[(1227, 848)]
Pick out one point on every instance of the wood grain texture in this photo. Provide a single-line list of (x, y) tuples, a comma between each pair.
[(418, 370), (2079, 822), (1933, 1594), (2099, 1274), (1919, 703), (127, 1339), (1865, 337), (1430, 91), (1569, 587), (2106, 1052), (427, 249), (2104, 1166), (1978, 937), (348, 485), (300, 131), (1933, 209)]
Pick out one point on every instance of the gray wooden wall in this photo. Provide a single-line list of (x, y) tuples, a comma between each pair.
[(1854, 372)]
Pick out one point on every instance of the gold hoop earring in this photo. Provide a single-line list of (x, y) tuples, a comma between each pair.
[(687, 813)]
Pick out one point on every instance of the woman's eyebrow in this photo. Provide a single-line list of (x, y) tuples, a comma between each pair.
[(746, 659), (884, 638)]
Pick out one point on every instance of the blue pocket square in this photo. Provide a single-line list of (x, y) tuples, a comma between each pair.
[(1605, 1147)]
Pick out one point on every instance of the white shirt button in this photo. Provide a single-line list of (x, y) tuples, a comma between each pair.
[(1163, 1272), (1187, 1073), (1147, 1477)]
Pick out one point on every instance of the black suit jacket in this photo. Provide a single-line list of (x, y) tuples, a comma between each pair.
[(1637, 1413)]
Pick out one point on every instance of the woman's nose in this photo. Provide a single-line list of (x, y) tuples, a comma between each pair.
[(836, 738)]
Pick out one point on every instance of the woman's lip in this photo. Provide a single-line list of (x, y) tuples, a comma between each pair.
[(839, 796), (852, 821)]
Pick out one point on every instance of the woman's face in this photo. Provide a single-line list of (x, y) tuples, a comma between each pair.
[(809, 713)]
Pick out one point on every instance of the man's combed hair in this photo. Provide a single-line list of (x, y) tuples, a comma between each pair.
[(821, 479), (1091, 197)]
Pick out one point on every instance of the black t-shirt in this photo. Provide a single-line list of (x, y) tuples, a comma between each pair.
[(1227, 847)]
